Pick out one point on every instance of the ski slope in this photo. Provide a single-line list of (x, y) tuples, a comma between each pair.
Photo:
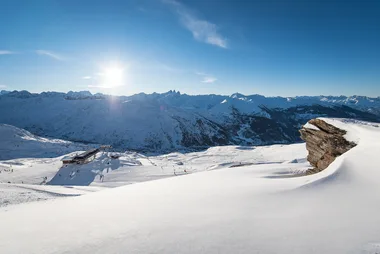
[(30, 163), (240, 209), (104, 172), (133, 167)]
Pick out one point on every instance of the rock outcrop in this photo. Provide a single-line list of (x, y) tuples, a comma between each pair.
[(324, 143)]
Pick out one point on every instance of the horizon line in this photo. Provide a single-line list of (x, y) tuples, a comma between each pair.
[(175, 91)]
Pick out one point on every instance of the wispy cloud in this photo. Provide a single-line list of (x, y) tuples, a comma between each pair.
[(3, 86), (6, 52), (87, 77), (202, 30), (206, 78), (50, 54), (209, 80)]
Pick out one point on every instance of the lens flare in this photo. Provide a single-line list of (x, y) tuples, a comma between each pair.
[(113, 76)]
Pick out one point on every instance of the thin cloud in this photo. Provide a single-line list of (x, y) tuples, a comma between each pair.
[(87, 77), (209, 80), (200, 73), (50, 54), (206, 78), (3, 86), (6, 52), (202, 30)]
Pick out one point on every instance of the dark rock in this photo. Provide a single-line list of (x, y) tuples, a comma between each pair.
[(324, 145)]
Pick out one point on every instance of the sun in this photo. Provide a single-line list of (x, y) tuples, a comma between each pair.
[(113, 76)]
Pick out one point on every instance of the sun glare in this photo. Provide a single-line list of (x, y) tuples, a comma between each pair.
[(113, 76)]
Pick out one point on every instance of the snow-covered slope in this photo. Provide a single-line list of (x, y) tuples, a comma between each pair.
[(32, 179), (133, 167), (172, 121), (13, 194), (19, 143), (232, 210)]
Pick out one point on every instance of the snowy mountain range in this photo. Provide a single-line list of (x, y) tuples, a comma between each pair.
[(174, 121)]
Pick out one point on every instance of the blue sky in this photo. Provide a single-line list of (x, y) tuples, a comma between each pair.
[(267, 47)]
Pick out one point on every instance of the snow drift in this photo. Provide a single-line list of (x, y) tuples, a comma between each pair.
[(234, 210)]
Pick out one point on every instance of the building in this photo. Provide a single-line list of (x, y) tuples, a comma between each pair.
[(67, 160), (80, 158)]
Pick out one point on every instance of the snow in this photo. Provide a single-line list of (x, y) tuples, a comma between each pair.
[(311, 126), (13, 194), (104, 172), (243, 209), (152, 122), (19, 143), (353, 127), (133, 167), (173, 98)]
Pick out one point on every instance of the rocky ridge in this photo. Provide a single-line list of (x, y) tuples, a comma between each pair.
[(324, 143)]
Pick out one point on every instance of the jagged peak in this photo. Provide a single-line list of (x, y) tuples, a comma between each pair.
[(237, 95)]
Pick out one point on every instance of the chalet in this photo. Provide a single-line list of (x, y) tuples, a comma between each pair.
[(67, 160), (80, 158)]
